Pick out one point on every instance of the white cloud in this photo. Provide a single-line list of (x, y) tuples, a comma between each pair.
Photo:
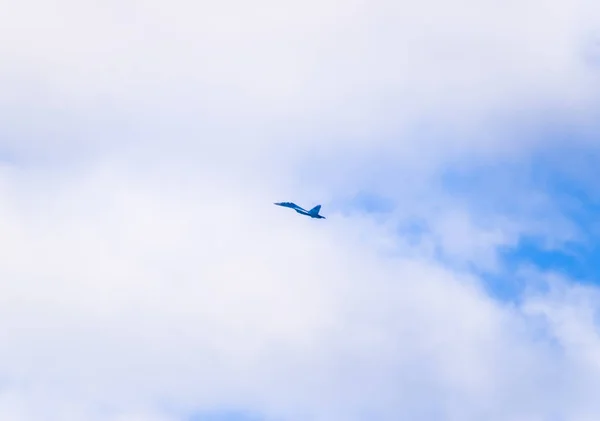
[(310, 74), (131, 294), (146, 274)]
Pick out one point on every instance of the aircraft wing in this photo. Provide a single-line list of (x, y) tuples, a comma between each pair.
[(290, 205)]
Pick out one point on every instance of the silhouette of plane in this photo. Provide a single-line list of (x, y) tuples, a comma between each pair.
[(313, 213)]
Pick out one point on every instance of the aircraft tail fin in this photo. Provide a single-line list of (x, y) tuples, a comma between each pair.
[(315, 210)]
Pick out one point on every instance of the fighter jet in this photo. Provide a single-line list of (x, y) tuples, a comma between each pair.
[(313, 213)]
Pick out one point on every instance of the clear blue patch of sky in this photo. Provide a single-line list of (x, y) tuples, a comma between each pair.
[(489, 189), (568, 179), (576, 197)]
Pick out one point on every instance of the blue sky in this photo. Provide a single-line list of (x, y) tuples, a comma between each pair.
[(488, 187), (146, 275)]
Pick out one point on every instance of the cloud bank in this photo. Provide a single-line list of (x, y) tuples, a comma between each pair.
[(146, 275)]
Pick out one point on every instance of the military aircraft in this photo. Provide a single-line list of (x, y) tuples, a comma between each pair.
[(313, 213)]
